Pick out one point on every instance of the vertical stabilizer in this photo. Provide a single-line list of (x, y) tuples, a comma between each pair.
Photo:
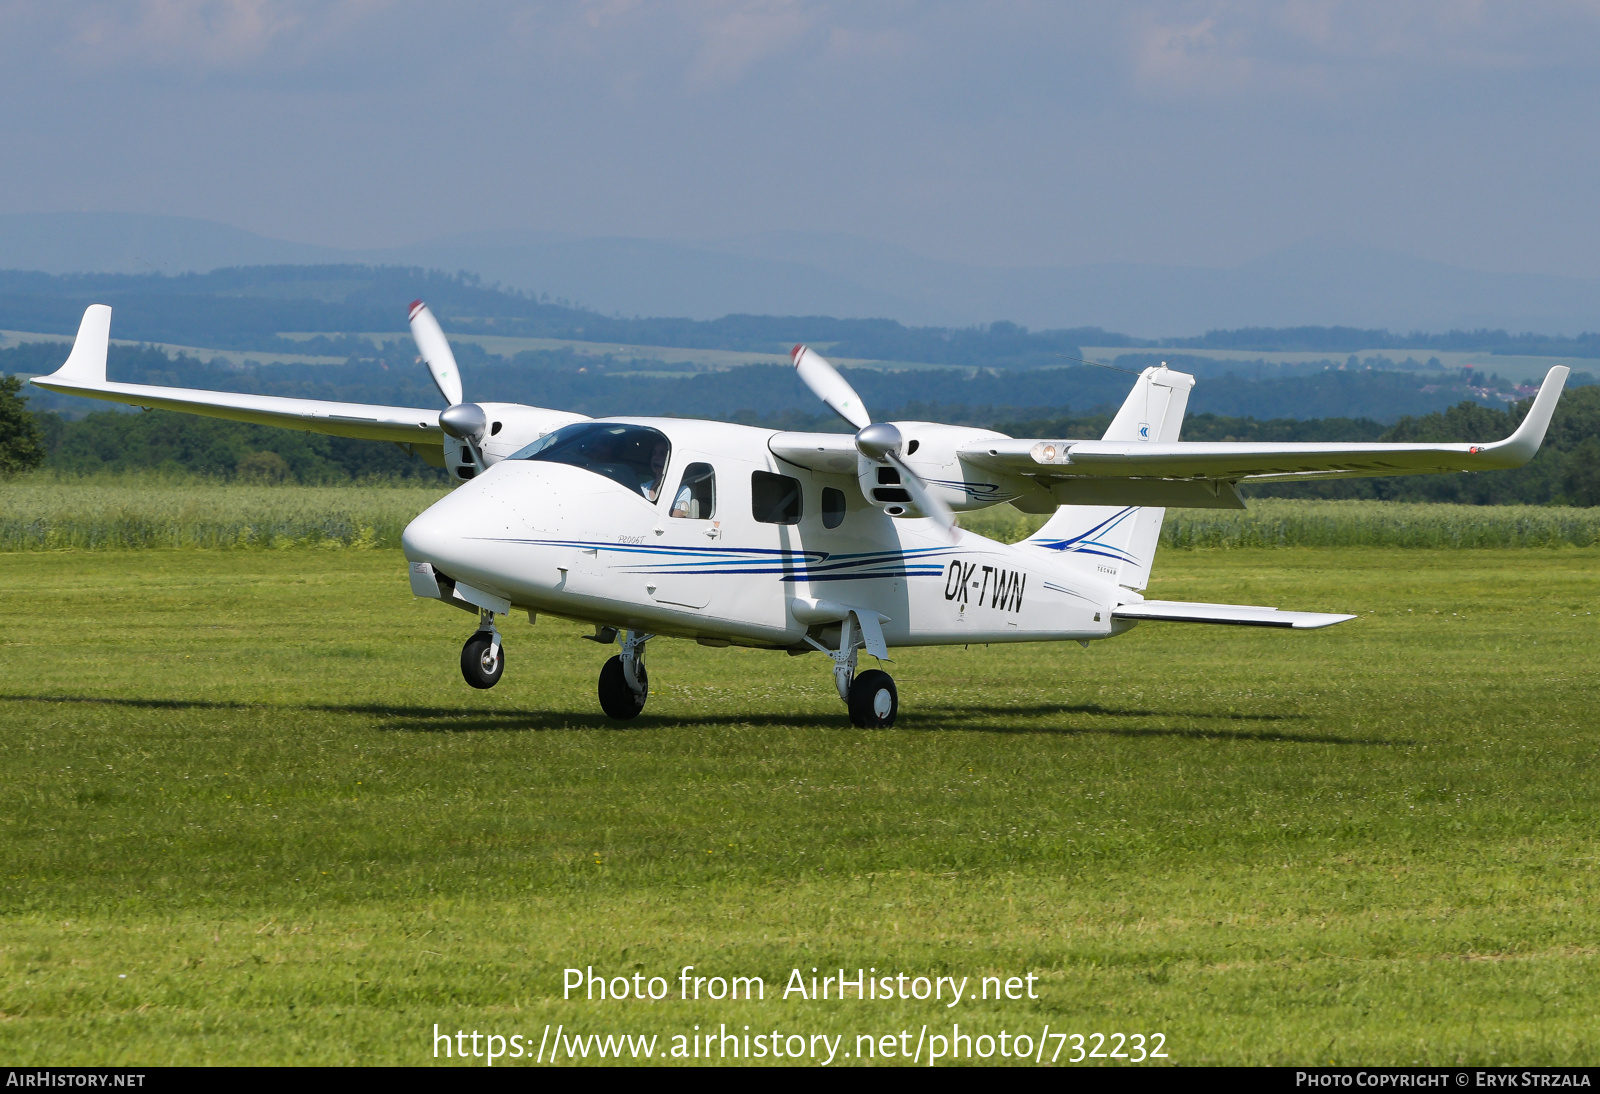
[(1119, 542)]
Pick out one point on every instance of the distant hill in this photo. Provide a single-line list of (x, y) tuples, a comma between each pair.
[(249, 308), (813, 273), (600, 364)]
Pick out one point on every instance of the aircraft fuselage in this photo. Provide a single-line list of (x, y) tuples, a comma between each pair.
[(564, 540)]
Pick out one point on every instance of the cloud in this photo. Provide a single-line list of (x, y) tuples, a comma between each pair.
[(209, 34), (1190, 56), (1332, 46), (736, 36)]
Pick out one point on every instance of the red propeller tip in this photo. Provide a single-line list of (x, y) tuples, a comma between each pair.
[(796, 351), (415, 305)]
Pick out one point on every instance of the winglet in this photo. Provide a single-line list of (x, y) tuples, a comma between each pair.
[(1523, 445), (86, 364)]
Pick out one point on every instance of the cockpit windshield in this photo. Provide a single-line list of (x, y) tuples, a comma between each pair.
[(632, 455)]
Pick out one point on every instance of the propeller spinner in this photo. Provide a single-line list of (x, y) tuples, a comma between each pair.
[(879, 442)]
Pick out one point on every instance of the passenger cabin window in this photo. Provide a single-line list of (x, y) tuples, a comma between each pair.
[(633, 455), (832, 507), (774, 499), (696, 498)]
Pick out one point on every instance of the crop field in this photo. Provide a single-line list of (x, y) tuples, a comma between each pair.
[(252, 814), (47, 511)]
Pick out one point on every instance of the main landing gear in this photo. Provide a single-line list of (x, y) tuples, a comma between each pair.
[(483, 658), (871, 697), (624, 684), (873, 700)]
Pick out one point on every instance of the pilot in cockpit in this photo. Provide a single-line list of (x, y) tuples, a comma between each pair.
[(658, 468)]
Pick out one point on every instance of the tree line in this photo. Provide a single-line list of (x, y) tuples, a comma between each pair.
[(1566, 471)]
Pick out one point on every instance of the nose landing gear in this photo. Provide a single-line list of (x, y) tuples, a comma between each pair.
[(483, 658), (624, 684)]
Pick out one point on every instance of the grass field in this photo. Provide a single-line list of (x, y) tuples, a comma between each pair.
[(252, 814), (47, 511)]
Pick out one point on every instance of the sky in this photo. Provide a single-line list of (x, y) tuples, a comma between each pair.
[(998, 133)]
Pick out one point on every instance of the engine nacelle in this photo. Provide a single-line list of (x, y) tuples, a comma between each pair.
[(510, 427), (930, 449)]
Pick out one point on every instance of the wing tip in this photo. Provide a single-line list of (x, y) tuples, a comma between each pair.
[(1326, 619)]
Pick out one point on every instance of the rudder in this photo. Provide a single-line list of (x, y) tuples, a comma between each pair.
[(1119, 542)]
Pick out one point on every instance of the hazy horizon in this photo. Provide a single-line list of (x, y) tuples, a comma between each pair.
[(1008, 135), (800, 273)]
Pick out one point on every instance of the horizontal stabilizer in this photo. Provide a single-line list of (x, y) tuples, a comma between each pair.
[(1238, 615)]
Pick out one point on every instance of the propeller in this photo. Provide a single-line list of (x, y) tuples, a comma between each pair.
[(465, 422), (879, 442), (435, 350)]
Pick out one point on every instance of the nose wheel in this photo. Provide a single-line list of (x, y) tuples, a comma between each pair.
[(483, 661), (624, 684), (483, 658)]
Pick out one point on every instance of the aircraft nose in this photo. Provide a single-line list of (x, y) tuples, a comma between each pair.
[(434, 535)]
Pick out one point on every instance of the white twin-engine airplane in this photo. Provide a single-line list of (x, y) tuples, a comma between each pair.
[(732, 535)]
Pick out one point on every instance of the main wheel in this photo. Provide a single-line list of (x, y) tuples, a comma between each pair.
[(616, 697), (873, 700), (482, 662)]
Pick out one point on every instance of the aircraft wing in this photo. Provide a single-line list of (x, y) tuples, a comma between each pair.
[(826, 452), (1239, 615), (84, 373), (1258, 462)]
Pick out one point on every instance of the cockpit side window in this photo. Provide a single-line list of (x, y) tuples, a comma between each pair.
[(634, 456), (696, 498)]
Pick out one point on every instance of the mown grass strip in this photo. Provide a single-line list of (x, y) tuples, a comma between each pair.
[(252, 814)]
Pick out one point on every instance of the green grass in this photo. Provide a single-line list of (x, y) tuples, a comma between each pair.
[(251, 814), (1272, 522), (1278, 522), (49, 512)]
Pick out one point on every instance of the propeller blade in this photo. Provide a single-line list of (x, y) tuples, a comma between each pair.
[(932, 506), (826, 384), (435, 351)]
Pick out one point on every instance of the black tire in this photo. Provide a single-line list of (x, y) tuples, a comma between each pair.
[(477, 666), (873, 700), (616, 697)]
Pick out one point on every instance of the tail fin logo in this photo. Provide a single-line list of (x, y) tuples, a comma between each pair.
[(1091, 542), (1144, 431)]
